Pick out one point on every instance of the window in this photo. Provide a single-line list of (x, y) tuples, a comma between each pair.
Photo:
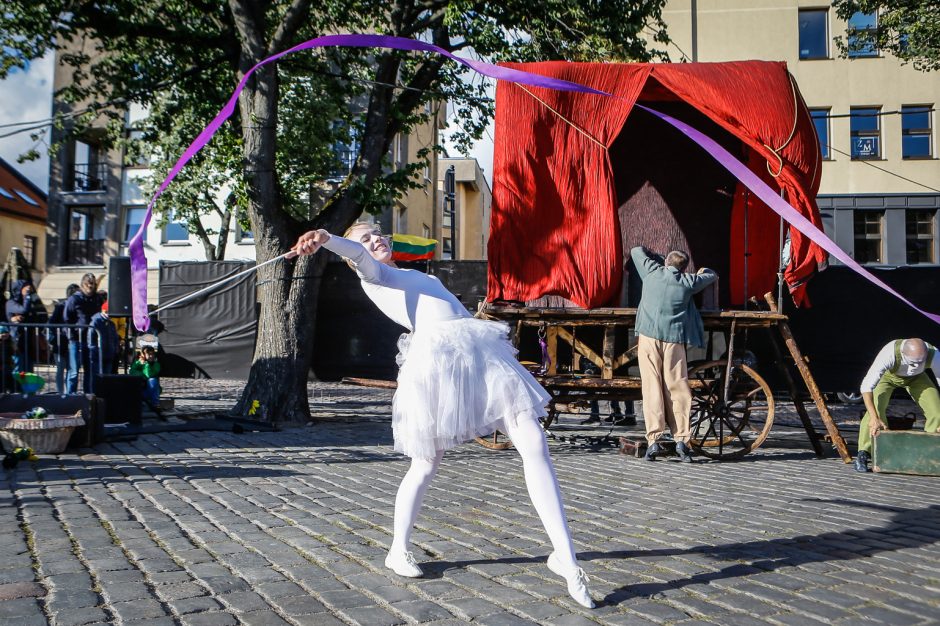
[(175, 230), (814, 33), (919, 230), (425, 231), (447, 251), (861, 44), (401, 224), (244, 235), (25, 198), (6, 194), (345, 152), (916, 132), (866, 133), (868, 236), (29, 250), (133, 218), (401, 150), (89, 169), (821, 121)]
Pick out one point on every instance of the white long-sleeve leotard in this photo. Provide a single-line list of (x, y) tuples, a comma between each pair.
[(409, 297)]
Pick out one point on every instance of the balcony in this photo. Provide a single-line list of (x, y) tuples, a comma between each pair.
[(85, 252), (88, 177)]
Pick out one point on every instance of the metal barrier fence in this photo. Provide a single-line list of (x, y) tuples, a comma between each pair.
[(65, 356)]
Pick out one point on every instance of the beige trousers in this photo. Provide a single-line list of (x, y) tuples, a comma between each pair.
[(667, 398)]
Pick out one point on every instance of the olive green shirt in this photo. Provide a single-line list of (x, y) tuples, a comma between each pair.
[(667, 311)]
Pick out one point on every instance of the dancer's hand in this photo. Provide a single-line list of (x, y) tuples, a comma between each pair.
[(309, 243)]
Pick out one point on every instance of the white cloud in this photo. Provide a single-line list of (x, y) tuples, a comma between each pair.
[(26, 96)]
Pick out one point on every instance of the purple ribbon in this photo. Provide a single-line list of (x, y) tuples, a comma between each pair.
[(726, 159), (136, 245)]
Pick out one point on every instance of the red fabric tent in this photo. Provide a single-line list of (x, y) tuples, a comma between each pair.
[(555, 227)]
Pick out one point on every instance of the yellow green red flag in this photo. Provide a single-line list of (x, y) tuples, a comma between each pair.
[(412, 247)]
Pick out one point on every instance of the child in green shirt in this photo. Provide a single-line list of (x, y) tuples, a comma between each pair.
[(147, 366)]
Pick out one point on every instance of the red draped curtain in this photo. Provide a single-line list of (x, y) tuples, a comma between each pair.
[(554, 227)]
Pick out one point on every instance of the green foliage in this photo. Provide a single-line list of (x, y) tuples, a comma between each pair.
[(180, 59), (908, 29)]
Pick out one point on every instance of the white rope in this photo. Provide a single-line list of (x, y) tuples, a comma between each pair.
[(219, 284)]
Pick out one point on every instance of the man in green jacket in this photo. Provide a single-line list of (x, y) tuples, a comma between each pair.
[(666, 321)]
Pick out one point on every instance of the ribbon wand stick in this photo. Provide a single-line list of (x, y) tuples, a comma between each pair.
[(287, 255)]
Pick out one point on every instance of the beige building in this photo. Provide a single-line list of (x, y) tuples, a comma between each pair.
[(22, 219), (875, 117), (417, 212), (468, 229)]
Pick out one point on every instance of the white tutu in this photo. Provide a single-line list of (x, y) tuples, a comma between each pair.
[(457, 379)]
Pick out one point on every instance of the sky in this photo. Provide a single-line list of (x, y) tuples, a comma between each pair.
[(26, 96)]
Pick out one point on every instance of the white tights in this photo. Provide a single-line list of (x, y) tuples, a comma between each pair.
[(540, 479)]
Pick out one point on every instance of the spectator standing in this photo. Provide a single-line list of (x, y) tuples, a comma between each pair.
[(79, 309), (24, 307), (57, 338), (103, 344), (6, 360)]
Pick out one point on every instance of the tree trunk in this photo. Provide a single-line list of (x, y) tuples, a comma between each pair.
[(276, 390)]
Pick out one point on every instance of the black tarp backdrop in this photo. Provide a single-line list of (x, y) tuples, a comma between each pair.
[(212, 336), (353, 338), (851, 319)]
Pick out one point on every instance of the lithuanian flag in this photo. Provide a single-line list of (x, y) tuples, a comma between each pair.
[(412, 248)]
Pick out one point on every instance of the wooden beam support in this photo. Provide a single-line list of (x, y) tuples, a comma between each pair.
[(551, 340), (607, 370), (811, 385), (580, 347)]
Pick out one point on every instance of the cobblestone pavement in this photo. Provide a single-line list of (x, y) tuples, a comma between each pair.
[(291, 527)]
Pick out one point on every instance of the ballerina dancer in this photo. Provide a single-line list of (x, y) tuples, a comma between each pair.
[(458, 379)]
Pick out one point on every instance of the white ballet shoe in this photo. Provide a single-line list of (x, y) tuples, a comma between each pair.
[(403, 563), (577, 581)]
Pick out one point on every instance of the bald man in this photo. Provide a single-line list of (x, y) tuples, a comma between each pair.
[(902, 363)]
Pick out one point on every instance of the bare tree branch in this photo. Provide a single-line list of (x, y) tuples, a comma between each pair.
[(293, 18)]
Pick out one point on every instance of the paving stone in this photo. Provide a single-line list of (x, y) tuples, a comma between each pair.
[(80, 617), (123, 592), (502, 619), (421, 610), (263, 618), (65, 599), (138, 609), (299, 605), (11, 575), (372, 616), (214, 618), (11, 591), (21, 607), (194, 605)]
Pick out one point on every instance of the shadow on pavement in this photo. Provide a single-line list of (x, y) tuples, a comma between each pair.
[(767, 555), (776, 554)]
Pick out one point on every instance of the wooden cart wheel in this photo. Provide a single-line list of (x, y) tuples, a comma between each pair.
[(497, 441), (729, 429)]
